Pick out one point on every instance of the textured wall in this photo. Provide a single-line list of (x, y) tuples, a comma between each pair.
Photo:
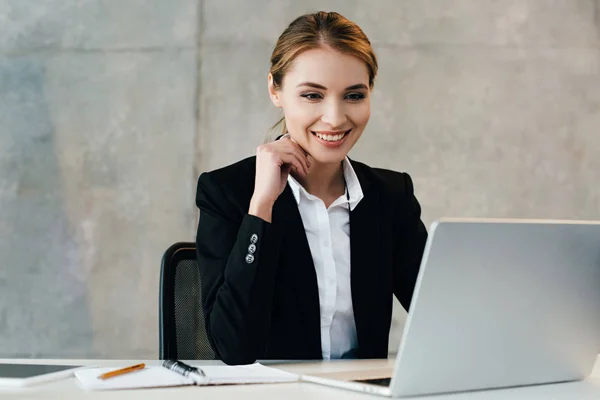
[(109, 110), (97, 130)]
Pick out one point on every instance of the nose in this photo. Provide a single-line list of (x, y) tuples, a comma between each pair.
[(334, 114)]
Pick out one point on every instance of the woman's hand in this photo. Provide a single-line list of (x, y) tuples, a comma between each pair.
[(274, 161)]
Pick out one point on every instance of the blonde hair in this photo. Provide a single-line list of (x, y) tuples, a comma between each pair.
[(310, 31)]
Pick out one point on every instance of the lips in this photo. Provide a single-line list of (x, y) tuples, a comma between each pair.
[(331, 137), (331, 140)]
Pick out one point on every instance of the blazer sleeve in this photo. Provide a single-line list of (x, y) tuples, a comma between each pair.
[(410, 239), (237, 261)]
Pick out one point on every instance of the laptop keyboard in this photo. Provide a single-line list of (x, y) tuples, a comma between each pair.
[(378, 382)]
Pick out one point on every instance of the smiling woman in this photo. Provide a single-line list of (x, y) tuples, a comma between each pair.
[(325, 96), (301, 249)]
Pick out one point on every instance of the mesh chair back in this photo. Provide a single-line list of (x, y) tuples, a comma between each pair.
[(181, 319)]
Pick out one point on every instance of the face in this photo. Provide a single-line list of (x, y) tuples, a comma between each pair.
[(325, 97)]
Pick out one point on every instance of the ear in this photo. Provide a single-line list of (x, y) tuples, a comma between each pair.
[(273, 92)]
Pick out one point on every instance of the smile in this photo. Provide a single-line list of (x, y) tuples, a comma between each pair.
[(331, 137)]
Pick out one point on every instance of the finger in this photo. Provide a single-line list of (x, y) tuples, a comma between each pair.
[(298, 164), (300, 147), (291, 139), (285, 169), (301, 157), (293, 159), (289, 145), (294, 148)]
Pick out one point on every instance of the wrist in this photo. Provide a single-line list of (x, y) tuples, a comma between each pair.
[(261, 208)]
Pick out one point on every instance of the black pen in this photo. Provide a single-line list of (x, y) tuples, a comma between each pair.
[(196, 374)]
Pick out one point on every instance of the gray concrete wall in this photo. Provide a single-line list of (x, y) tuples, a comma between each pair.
[(109, 110)]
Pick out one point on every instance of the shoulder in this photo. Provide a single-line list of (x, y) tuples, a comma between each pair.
[(395, 189), (232, 184), (386, 181), (237, 171)]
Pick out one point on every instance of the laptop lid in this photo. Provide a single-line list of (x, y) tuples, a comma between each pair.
[(502, 303)]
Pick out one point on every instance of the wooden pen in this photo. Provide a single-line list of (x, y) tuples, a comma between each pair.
[(122, 371)]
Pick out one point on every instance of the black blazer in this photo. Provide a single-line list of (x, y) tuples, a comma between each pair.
[(267, 306)]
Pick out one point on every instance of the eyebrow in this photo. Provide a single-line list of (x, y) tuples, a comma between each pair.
[(317, 86)]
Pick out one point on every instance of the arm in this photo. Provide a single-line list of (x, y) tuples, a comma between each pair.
[(237, 289), (409, 243)]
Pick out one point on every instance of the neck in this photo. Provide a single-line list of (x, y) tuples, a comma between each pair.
[(325, 181)]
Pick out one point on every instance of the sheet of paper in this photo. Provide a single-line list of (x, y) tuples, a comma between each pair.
[(147, 377), (162, 377), (253, 373)]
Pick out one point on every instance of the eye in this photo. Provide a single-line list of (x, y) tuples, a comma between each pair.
[(312, 96), (355, 96)]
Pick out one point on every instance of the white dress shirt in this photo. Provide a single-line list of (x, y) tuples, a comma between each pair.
[(328, 234)]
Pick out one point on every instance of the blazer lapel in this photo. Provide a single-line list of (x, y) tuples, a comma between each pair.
[(299, 264), (364, 257)]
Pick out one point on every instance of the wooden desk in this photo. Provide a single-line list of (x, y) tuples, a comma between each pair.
[(68, 389)]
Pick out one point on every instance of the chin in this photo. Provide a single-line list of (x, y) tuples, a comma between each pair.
[(330, 151), (328, 157)]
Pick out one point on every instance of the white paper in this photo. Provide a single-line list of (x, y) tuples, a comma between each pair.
[(145, 378), (162, 377), (252, 373)]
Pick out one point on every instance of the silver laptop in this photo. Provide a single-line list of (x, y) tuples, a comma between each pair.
[(497, 303)]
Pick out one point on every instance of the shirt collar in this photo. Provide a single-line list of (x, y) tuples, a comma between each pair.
[(352, 184)]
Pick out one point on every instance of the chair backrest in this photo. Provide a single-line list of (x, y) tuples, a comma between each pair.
[(181, 319)]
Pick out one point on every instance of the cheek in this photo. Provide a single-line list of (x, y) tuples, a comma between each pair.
[(361, 114), (299, 114)]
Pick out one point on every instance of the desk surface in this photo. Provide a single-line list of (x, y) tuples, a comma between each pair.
[(67, 389)]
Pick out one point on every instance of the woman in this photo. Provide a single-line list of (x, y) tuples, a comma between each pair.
[(300, 249)]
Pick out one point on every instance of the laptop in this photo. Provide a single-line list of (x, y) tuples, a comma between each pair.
[(497, 303)]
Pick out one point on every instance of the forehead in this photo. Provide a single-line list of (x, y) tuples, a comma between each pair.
[(327, 67)]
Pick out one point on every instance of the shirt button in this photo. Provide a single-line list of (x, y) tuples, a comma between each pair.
[(326, 244), (331, 281), (251, 249), (249, 258), (254, 238)]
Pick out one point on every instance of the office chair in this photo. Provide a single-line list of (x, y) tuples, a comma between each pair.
[(182, 334)]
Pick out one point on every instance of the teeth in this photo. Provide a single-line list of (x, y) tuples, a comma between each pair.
[(331, 138)]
